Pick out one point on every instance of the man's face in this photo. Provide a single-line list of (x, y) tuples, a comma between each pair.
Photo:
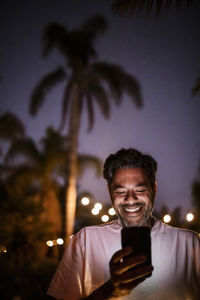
[(132, 197)]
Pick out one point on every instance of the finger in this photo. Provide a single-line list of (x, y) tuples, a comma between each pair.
[(130, 285), (128, 264), (134, 274), (120, 254)]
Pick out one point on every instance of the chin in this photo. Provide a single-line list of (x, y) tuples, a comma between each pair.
[(129, 223)]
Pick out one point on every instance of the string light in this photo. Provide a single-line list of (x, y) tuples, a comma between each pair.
[(85, 201), (189, 217), (111, 211), (60, 241), (98, 206), (50, 243), (167, 218), (95, 211), (105, 218)]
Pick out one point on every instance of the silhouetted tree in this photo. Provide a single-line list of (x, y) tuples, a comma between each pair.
[(87, 81), (175, 214), (196, 88), (196, 200), (138, 7), (44, 168), (11, 128)]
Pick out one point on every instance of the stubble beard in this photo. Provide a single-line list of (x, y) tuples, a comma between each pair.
[(144, 221)]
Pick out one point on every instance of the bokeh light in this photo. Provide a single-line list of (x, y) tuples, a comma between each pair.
[(111, 211), (105, 218), (50, 243), (85, 201), (167, 218), (95, 211), (98, 206), (189, 217), (60, 241)]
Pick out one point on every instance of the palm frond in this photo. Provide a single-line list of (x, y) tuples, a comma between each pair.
[(53, 140), (119, 81), (90, 110), (196, 88), (65, 103), (11, 127), (5, 170), (93, 26), (131, 7), (23, 147), (96, 90), (45, 84), (54, 35), (85, 161), (21, 178), (54, 162)]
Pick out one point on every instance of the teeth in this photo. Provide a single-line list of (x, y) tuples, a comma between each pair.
[(132, 209)]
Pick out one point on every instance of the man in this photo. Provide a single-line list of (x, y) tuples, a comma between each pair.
[(93, 265)]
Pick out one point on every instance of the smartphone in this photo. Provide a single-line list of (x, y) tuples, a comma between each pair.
[(139, 238)]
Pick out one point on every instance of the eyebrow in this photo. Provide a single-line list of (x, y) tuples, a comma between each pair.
[(140, 184)]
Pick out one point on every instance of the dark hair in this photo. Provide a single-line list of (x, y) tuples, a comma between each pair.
[(127, 159)]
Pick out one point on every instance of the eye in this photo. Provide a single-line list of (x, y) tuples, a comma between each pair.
[(140, 191), (120, 192)]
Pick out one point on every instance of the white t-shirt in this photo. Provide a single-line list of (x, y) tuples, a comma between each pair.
[(85, 264)]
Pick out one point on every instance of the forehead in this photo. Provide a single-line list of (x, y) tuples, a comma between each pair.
[(133, 175)]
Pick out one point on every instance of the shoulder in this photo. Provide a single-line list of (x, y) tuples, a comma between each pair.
[(103, 233), (101, 228), (163, 228)]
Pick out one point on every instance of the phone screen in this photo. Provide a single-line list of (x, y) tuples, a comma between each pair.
[(139, 238)]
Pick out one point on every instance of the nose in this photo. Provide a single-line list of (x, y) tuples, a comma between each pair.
[(131, 196)]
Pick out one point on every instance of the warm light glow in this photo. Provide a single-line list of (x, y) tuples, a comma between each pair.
[(98, 206), (189, 217), (105, 218), (49, 243), (60, 241), (167, 218), (3, 249), (85, 200), (111, 211), (95, 211)]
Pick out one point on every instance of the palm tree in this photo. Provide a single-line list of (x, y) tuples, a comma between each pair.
[(137, 7), (44, 169), (11, 127), (87, 82), (196, 199)]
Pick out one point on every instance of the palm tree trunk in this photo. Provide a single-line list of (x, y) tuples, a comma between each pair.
[(70, 200)]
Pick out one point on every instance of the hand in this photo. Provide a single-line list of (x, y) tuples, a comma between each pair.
[(127, 273)]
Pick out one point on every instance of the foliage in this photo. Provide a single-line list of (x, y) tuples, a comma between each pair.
[(196, 199), (138, 7), (87, 81), (11, 128), (196, 88), (29, 188), (22, 243)]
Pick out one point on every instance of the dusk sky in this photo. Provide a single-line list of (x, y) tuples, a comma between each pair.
[(163, 54)]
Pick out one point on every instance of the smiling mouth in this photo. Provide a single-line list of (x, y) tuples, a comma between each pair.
[(132, 210)]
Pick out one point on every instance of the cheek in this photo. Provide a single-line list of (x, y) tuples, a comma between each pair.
[(116, 201)]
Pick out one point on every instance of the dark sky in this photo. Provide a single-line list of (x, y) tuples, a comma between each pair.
[(162, 53)]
